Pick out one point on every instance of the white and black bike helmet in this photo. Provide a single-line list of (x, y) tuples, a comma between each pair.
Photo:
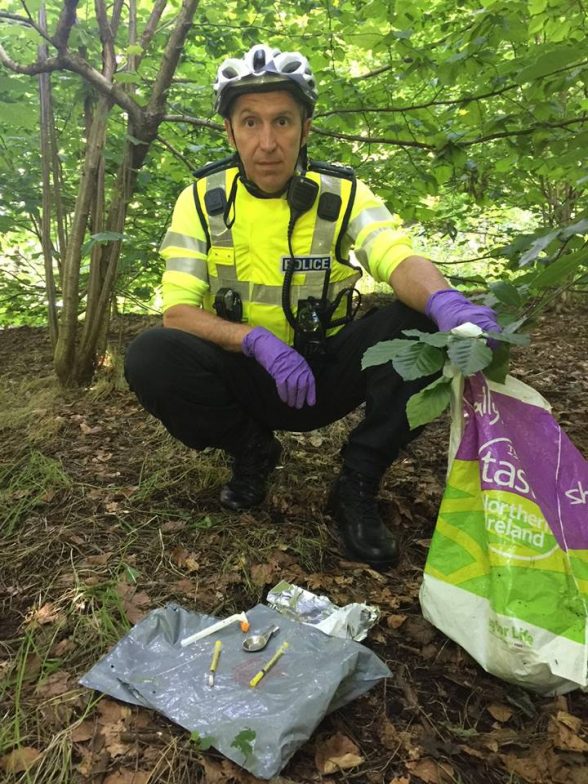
[(264, 69)]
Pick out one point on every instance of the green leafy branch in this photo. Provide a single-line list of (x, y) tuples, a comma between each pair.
[(425, 354)]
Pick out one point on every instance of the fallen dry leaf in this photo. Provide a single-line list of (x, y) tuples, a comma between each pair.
[(213, 771), (420, 630), (185, 586), (112, 712), (473, 752), (184, 559), (400, 780), (573, 722), (83, 731), (48, 613), (97, 560), (263, 574), (56, 684), (395, 621), (431, 771), (125, 776), (173, 525), (19, 760), (337, 753), (63, 647), (524, 767), (135, 603), (499, 712), (113, 742), (564, 736)]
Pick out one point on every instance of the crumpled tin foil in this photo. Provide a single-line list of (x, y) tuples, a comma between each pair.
[(352, 622)]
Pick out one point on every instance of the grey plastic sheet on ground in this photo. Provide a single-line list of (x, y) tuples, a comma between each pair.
[(317, 674)]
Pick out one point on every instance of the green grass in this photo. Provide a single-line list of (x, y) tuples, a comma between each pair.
[(28, 482)]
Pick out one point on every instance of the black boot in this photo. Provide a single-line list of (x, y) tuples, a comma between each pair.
[(252, 465), (353, 504)]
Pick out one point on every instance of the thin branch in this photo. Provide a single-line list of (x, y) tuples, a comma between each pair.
[(373, 139), (16, 18), (525, 131), (66, 21), (452, 102), (185, 118), (415, 107), (30, 21), (176, 153), (152, 22), (169, 62), (115, 16), (376, 72), (107, 40), (46, 120), (46, 66), (77, 64)]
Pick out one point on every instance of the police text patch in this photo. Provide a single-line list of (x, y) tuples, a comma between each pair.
[(307, 263)]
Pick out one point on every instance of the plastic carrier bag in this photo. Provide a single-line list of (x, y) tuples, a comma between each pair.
[(507, 571), (258, 728)]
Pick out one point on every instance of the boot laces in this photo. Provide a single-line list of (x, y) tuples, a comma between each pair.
[(255, 461), (360, 494)]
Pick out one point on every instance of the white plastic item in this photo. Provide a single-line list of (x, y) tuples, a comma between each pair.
[(216, 627)]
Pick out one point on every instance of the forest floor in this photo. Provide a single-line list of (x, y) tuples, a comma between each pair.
[(104, 517)]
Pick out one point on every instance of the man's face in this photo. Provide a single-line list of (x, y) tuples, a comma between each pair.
[(267, 131)]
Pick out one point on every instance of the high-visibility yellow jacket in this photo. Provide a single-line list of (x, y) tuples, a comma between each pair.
[(203, 255)]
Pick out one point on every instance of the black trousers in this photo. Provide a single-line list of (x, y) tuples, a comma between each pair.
[(206, 396)]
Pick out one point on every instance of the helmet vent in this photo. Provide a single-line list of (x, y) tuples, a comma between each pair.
[(258, 60)]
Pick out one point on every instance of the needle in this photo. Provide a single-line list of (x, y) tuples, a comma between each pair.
[(267, 667), (214, 662)]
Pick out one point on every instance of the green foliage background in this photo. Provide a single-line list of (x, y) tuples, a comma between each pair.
[(468, 118)]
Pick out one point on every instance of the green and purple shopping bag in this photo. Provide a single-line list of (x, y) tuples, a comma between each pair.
[(507, 571)]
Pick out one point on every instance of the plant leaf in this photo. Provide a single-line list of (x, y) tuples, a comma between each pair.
[(107, 236), (439, 339), (418, 359), (506, 293), (429, 403), (469, 355), (498, 368), (540, 244), (560, 269), (514, 338), (202, 742), (382, 352), (244, 741)]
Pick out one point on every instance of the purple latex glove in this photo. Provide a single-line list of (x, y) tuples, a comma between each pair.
[(449, 308), (288, 368)]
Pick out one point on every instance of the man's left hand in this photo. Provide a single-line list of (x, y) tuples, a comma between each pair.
[(449, 308)]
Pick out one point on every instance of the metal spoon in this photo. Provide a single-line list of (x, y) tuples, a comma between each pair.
[(257, 642)]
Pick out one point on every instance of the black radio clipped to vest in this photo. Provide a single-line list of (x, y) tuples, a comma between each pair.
[(228, 305)]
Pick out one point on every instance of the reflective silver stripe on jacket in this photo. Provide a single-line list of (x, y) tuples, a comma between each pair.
[(366, 217), (321, 245), (220, 282), (220, 235), (272, 295), (174, 239), (196, 267), (362, 251), (324, 230)]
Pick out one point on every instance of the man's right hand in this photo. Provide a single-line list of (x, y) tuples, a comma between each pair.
[(291, 372)]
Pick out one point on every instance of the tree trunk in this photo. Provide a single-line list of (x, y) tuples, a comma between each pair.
[(46, 119), (68, 373)]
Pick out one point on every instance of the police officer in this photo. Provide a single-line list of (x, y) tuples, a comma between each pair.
[(259, 332)]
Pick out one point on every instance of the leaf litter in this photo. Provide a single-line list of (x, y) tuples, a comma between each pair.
[(131, 520)]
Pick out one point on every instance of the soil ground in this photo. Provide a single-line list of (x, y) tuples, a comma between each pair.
[(104, 517)]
